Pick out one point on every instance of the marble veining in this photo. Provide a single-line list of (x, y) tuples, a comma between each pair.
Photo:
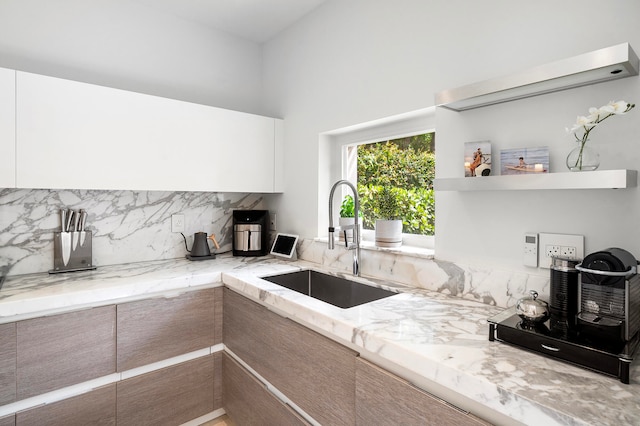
[(127, 226), (490, 286), (445, 339), (433, 335)]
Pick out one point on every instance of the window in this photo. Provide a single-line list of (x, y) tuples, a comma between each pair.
[(404, 167), (338, 154)]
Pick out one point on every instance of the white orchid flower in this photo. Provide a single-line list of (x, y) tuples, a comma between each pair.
[(620, 107), (583, 122)]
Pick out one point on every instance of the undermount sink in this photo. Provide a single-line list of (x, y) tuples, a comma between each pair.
[(337, 291)]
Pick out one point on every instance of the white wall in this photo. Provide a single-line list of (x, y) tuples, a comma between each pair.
[(130, 46), (353, 61)]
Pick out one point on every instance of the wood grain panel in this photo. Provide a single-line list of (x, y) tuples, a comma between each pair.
[(156, 329), (7, 363), (170, 396), (8, 420), (217, 380), (96, 408), (248, 402), (382, 395), (316, 373), (61, 350), (218, 315)]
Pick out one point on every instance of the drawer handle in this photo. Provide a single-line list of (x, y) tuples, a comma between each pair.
[(549, 348)]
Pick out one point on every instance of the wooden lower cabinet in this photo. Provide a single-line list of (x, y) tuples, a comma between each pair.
[(314, 372), (170, 396), (7, 363), (384, 397), (96, 408), (8, 420), (156, 329), (248, 402), (62, 350)]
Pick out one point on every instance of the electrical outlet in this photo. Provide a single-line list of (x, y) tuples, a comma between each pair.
[(272, 223), (568, 252), (559, 245), (552, 250), (177, 223)]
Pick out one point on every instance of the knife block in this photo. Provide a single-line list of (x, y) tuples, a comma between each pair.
[(72, 251)]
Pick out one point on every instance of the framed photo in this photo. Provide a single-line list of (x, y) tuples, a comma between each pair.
[(523, 161), (477, 159)]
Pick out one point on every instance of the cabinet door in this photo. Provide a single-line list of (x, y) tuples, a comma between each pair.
[(170, 396), (7, 128), (8, 420), (248, 402), (62, 350), (156, 329), (316, 373), (7, 363), (83, 136), (96, 408), (384, 397)]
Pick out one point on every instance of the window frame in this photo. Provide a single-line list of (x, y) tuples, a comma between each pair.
[(334, 165)]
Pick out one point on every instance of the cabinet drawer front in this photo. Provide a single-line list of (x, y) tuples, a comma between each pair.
[(316, 373), (97, 408), (381, 395), (156, 329), (62, 350), (170, 396), (248, 402), (7, 363)]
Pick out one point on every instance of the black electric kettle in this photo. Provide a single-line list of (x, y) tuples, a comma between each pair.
[(200, 248)]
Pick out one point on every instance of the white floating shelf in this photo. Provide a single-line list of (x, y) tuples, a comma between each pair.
[(599, 179)]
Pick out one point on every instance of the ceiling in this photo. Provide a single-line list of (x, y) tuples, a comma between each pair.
[(254, 20)]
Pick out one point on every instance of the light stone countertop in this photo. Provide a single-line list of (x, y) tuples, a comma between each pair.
[(434, 337)]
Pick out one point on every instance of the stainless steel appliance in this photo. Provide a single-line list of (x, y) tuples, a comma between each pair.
[(609, 295), (603, 334), (250, 232)]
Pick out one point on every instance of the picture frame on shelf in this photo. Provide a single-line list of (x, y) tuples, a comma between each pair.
[(524, 161), (477, 159)]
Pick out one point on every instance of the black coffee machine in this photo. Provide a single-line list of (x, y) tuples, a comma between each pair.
[(609, 296), (250, 232)]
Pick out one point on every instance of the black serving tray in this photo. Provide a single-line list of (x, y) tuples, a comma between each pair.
[(607, 357)]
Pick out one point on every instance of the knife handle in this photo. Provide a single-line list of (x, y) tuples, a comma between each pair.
[(63, 220), (76, 220), (82, 220), (70, 214)]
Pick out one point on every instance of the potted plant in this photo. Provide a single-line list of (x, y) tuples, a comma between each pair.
[(347, 217), (388, 229)]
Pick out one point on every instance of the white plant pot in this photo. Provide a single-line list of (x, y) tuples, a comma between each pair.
[(388, 233)]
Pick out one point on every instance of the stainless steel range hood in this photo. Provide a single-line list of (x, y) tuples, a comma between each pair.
[(594, 67)]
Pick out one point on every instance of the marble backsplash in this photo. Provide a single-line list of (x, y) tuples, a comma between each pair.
[(127, 226), (492, 286)]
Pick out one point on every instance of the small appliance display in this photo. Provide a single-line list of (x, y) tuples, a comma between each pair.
[(284, 245), (593, 319), (250, 232)]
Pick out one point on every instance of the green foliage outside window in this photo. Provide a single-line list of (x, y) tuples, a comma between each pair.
[(403, 168)]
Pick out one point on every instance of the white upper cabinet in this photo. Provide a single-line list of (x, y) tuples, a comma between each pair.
[(83, 136), (7, 128)]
